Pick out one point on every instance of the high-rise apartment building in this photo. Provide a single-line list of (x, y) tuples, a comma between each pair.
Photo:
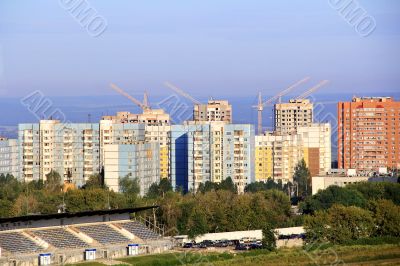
[(190, 156), (9, 157), (156, 130), (217, 151), (119, 133), (213, 111), (289, 116), (72, 150), (160, 134), (277, 155), (317, 150), (148, 117), (139, 161), (238, 154), (369, 134), (211, 151)]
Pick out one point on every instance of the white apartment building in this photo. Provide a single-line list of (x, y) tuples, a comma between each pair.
[(139, 161), (9, 157), (316, 139), (157, 129), (217, 151), (113, 132), (211, 151), (148, 117), (70, 149), (276, 156), (289, 116), (238, 154), (214, 110)]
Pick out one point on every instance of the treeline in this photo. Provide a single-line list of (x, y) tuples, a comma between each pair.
[(215, 208), (223, 211), (358, 213), (336, 215), (38, 197), (358, 195), (340, 224)]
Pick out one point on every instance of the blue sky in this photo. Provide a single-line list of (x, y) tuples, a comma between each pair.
[(206, 47)]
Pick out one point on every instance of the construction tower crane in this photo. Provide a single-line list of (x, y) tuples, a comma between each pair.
[(144, 106), (312, 90), (260, 106), (181, 92), (146, 99)]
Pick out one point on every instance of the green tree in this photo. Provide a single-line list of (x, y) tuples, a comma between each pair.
[(5, 208), (97, 199), (333, 195), (53, 181), (339, 224), (165, 185), (378, 190), (25, 205), (10, 187), (159, 190), (95, 181), (387, 217), (129, 185), (315, 227), (349, 223), (207, 186), (302, 178), (392, 192), (262, 186), (170, 212), (268, 238), (227, 184), (75, 200), (153, 191), (197, 224)]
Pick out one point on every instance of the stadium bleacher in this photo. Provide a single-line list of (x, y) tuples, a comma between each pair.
[(139, 230), (60, 238), (103, 234), (16, 242), (74, 237)]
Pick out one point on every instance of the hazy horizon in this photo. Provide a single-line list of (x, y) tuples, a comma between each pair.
[(208, 47)]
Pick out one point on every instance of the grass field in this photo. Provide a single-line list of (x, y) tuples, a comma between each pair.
[(335, 255)]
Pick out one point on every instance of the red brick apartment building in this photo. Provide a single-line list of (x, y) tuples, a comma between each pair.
[(369, 134)]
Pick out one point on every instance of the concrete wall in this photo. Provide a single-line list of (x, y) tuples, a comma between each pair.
[(237, 235)]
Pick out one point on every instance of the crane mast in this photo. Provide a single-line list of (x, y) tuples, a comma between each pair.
[(260, 106)]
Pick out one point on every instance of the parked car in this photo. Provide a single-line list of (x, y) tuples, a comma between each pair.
[(209, 242), (255, 245), (188, 245), (242, 247), (206, 244), (222, 243)]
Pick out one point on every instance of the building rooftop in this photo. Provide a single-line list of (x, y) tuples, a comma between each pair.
[(72, 214), (373, 99)]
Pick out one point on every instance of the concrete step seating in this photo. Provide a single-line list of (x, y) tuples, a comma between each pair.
[(60, 238)]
